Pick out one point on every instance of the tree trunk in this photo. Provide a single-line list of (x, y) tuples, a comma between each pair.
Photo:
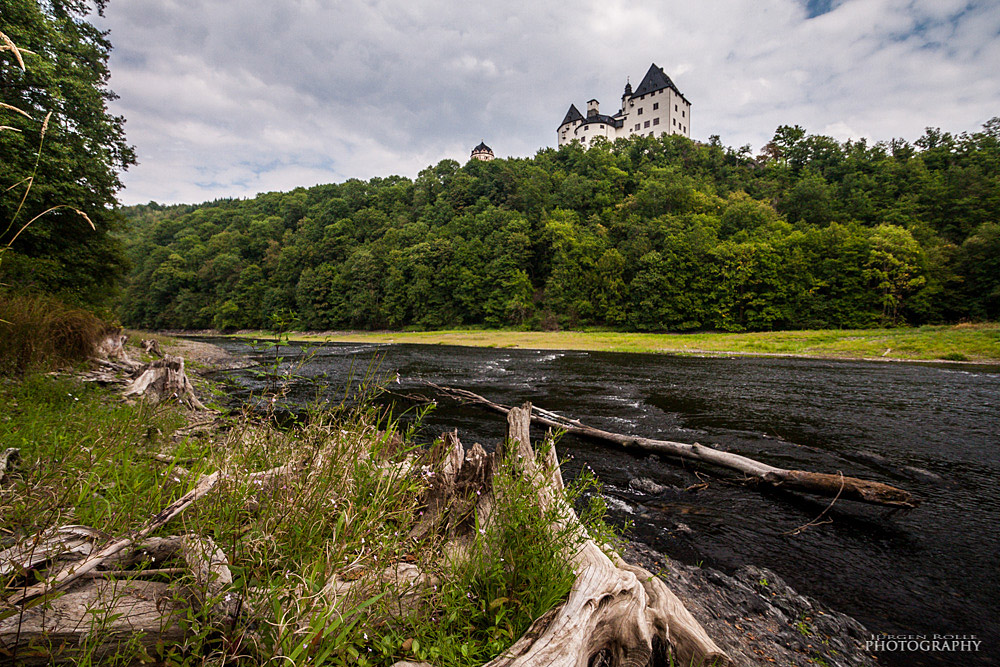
[(616, 612), (822, 484), (164, 379)]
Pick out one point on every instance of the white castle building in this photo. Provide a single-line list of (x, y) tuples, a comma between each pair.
[(656, 107)]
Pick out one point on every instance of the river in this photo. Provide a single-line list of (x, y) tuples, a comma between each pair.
[(933, 429)]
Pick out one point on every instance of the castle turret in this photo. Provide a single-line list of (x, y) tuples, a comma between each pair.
[(482, 152), (593, 108), (625, 96)]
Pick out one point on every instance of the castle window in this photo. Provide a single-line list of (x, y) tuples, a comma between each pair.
[(675, 122), (656, 121), (602, 127), (656, 105), (639, 112), (682, 114), (637, 126), (675, 107), (647, 124)]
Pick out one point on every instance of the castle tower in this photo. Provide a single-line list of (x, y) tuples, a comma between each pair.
[(482, 152), (656, 107)]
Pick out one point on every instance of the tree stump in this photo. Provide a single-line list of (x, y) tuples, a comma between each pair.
[(165, 379), (616, 613)]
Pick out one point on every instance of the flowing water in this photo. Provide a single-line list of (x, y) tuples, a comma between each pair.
[(931, 429)]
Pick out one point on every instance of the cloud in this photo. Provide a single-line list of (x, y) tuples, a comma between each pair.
[(229, 100)]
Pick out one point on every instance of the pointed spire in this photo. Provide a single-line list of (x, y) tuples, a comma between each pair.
[(654, 80), (571, 115)]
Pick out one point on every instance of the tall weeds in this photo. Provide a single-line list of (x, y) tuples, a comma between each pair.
[(40, 332)]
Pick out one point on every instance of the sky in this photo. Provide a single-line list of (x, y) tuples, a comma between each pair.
[(228, 98)]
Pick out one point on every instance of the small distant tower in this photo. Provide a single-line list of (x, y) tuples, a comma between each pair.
[(482, 152)]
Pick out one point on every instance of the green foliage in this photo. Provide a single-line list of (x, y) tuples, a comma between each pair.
[(645, 234), (62, 153)]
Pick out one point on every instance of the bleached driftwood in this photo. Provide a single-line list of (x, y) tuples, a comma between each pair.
[(62, 542), (105, 609), (823, 484), (152, 347), (6, 459), (617, 613), (164, 379)]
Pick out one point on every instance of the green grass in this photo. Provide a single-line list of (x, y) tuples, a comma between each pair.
[(963, 342), (84, 459)]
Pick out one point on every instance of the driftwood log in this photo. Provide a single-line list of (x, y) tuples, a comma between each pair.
[(115, 606), (112, 348), (92, 594), (616, 614), (822, 484), (164, 379)]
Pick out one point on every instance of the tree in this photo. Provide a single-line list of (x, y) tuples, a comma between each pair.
[(893, 267), (63, 153)]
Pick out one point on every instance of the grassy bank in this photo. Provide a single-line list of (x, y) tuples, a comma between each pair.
[(341, 515), (963, 342)]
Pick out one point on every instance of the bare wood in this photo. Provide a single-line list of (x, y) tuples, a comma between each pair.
[(113, 612), (613, 610), (10, 454), (112, 348), (135, 574), (61, 542), (164, 379), (210, 567), (151, 347), (74, 571), (822, 484)]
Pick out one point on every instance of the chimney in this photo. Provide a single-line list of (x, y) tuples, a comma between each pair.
[(592, 106)]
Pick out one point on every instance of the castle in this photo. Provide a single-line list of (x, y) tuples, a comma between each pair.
[(656, 107)]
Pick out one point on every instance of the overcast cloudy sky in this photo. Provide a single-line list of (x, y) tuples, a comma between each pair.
[(228, 99)]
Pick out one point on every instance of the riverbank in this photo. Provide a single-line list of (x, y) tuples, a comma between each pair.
[(977, 343), (757, 618), (754, 626)]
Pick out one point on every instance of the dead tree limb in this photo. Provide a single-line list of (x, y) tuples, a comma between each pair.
[(615, 612), (74, 571), (822, 484), (151, 347)]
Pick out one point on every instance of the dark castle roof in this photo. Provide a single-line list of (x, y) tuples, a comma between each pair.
[(601, 118), (654, 80), (482, 148), (571, 115)]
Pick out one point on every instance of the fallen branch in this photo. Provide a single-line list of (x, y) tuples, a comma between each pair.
[(615, 613), (822, 484), (74, 571)]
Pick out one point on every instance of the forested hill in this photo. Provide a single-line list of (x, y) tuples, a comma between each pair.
[(643, 234)]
